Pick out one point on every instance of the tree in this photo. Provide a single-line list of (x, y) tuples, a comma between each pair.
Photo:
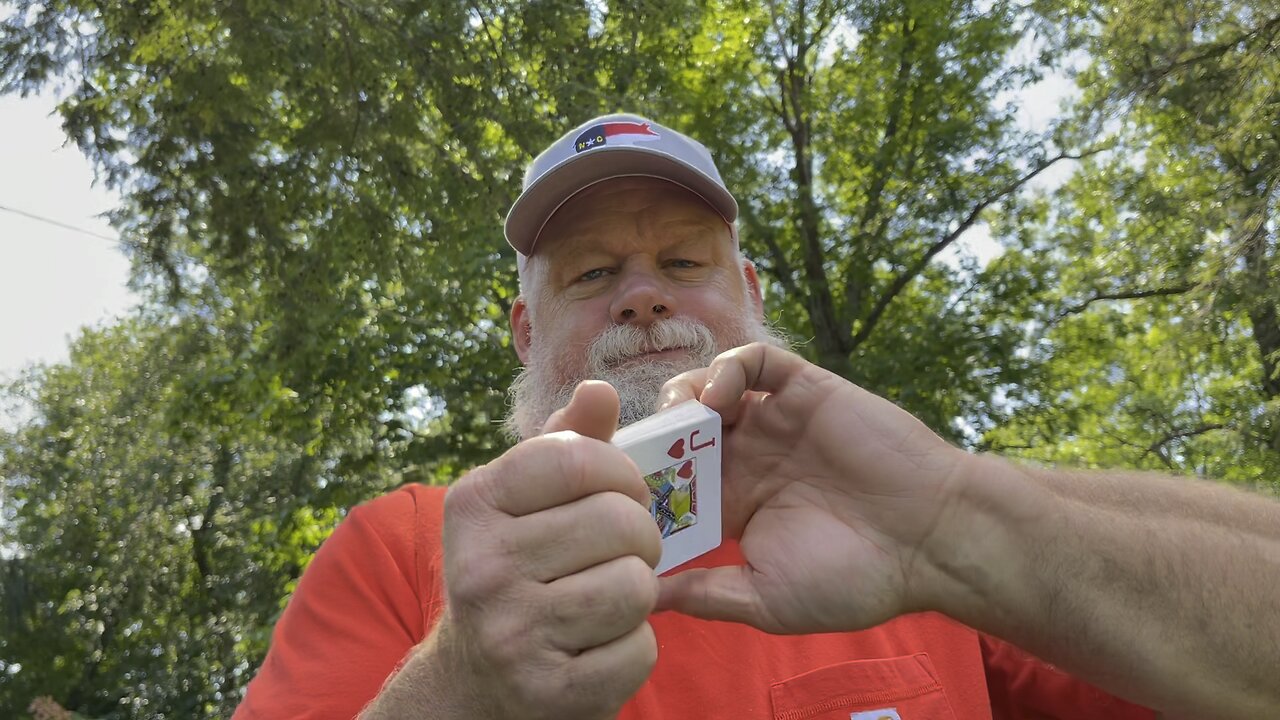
[(1157, 329), (149, 556), (864, 140)]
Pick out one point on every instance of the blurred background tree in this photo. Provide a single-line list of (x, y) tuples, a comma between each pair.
[(313, 197), (1155, 331)]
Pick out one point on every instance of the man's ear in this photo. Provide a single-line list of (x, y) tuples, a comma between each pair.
[(521, 328), (753, 287)]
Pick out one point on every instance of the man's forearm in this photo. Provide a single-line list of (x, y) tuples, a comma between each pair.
[(1161, 590)]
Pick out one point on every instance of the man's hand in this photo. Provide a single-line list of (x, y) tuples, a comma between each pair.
[(831, 489), (851, 512), (548, 559)]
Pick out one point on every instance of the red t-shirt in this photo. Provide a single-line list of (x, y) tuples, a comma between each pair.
[(374, 590)]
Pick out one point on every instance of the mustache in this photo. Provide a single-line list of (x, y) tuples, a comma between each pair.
[(623, 342)]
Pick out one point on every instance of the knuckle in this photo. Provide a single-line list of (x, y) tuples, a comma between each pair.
[(474, 564), (641, 586), (629, 519), (532, 449), (477, 576), (617, 511), (569, 607), (562, 457), (583, 689), (624, 607), (572, 460), (637, 490), (457, 500), (628, 591), (630, 526), (648, 649), (646, 536), (544, 687), (467, 498)]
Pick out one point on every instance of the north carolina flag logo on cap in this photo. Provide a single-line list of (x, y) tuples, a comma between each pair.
[(599, 135)]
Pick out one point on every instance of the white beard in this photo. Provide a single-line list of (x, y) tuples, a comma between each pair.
[(536, 393)]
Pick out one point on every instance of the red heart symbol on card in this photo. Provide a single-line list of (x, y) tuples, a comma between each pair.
[(677, 449), (686, 470)]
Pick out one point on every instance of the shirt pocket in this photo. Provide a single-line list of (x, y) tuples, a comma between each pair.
[(900, 688)]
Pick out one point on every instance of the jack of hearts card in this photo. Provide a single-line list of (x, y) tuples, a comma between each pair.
[(678, 451)]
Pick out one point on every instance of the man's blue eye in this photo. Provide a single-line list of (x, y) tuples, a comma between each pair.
[(683, 264), (592, 274)]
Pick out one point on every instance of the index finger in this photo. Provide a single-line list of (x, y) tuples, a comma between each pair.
[(556, 469), (685, 386), (758, 367)]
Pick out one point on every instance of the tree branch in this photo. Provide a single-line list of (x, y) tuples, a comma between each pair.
[(1122, 295), (887, 154), (906, 276), (1158, 446), (1220, 48), (775, 19), (781, 268), (774, 107), (826, 16), (351, 77), (830, 331)]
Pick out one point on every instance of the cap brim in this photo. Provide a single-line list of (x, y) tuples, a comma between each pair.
[(539, 201)]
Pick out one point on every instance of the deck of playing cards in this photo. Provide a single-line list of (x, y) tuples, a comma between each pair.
[(678, 450)]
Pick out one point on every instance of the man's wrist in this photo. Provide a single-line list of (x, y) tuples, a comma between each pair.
[(431, 683), (979, 563)]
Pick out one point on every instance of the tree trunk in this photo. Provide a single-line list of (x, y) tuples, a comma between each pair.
[(832, 337)]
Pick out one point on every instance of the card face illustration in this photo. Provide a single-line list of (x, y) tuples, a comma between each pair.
[(673, 493), (678, 450)]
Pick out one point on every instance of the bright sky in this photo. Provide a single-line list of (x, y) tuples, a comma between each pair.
[(52, 280)]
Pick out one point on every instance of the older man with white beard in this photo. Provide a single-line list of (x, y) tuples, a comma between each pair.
[(870, 546)]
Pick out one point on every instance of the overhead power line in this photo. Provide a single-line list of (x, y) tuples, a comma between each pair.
[(51, 221)]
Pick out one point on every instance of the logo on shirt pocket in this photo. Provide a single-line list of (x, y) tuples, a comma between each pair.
[(881, 714)]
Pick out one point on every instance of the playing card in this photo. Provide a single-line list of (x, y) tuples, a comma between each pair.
[(678, 450)]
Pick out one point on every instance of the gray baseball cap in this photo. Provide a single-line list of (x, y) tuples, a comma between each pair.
[(607, 147)]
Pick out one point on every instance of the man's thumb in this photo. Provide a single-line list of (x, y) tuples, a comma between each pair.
[(722, 593), (592, 412)]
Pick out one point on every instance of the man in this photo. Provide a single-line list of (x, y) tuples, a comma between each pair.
[(878, 562)]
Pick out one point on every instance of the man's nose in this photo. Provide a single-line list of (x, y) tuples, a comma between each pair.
[(642, 298)]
